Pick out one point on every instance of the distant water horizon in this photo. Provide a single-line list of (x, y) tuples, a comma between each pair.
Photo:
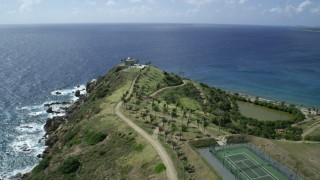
[(278, 63)]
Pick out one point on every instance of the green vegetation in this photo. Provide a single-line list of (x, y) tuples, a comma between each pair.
[(97, 144), (262, 113), (138, 147), (202, 143), (92, 137), (159, 168), (188, 115), (42, 165), (314, 135), (301, 157), (70, 165), (153, 79)]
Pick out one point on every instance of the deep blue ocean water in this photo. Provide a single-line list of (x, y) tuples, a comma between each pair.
[(279, 63)]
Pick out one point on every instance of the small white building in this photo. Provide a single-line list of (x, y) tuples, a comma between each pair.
[(129, 61)]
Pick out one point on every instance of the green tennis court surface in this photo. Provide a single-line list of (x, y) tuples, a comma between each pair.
[(244, 164)]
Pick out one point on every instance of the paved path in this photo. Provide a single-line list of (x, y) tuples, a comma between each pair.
[(169, 87), (170, 169)]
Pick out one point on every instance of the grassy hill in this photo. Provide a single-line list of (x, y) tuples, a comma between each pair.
[(93, 143)]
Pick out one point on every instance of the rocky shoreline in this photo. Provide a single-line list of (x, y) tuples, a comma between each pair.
[(52, 124)]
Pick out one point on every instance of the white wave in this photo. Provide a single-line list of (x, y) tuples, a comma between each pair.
[(66, 92), (7, 175), (29, 143), (30, 107), (37, 113), (30, 127)]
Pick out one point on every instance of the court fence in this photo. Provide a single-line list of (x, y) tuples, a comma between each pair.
[(289, 174)]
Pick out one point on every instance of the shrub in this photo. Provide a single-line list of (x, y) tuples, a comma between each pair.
[(138, 147), (70, 165), (203, 143), (92, 137), (159, 168), (43, 164)]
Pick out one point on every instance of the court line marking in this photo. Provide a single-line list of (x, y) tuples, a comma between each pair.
[(273, 177), (250, 168), (237, 168), (249, 158)]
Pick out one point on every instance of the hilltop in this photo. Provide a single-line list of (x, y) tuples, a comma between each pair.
[(98, 138)]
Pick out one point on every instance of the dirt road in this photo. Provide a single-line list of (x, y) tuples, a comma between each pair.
[(170, 169)]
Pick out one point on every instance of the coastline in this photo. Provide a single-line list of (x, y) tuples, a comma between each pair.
[(54, 122), (56, 112), (306, 110)]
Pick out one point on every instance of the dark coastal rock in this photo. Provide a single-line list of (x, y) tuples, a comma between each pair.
[(50, 110), (77, 94), (90, 86), (52, 124), (57, 103), (16, 177), (51, 141), (58, 93), (45, 153)]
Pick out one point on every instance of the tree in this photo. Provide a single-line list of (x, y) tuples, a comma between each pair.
[(198, 123), (205, 125), (165, 108), (156, 109), (166, 132), (144, 115), (174, 113), (164, 120), (189, 120), (184, 115), (173, 129), (152, 118)]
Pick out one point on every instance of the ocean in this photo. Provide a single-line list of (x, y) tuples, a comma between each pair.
[(279, 63)]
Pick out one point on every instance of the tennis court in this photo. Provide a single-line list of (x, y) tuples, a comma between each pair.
[(244, 164), (249, 167)]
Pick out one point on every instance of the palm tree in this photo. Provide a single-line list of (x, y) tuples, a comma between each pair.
[(173, 129), (144, 115), (156, 109), (184, 115), (165, 108), (198, 122), (164, 120), (189, 120), (152, 118), (166, 132), (205, 124)]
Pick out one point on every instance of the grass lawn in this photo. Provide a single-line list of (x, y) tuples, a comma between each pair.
[(302, 156), (308, 124), (262, 113), (314, 135)]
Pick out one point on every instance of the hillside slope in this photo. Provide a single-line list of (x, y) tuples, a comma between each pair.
[(93, 143)]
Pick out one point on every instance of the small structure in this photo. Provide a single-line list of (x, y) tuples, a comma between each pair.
[(129, 61)]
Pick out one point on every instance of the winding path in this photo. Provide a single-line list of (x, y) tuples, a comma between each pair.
[(169, 87), (170, 169), (316, 126)]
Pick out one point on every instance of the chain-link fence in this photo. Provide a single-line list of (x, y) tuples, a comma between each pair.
[(289, 174)]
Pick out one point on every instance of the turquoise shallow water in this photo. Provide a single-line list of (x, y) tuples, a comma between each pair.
[(280, 63)]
